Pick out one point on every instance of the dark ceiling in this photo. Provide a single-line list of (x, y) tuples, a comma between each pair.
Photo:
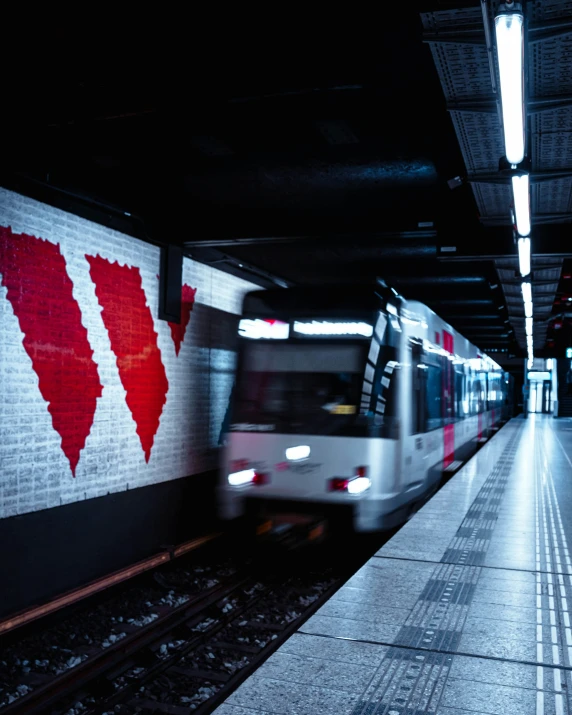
[(284, 149)]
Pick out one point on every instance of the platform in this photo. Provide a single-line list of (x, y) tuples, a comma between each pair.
[(464, 611)]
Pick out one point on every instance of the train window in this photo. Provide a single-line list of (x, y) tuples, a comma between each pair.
[(448, 377), (434, 396), (473, 389), (299, 402), (417, 388), (383, 421), (287, 357), (495, 391), (483, 392), (478, 394), (315, 389), (379, 414), (460, 403)]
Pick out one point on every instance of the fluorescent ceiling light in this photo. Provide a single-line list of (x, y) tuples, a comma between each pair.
[(520, 192), (527, 292), (510, 53), (524, 256), (527, 309), (528, 326)]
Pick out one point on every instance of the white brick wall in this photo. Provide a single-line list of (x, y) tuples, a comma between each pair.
[(34, 472)]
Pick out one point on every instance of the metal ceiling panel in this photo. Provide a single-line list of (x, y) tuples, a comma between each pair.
[(551, 147), (550, 75), (458, 20), (480, 138), (457, 42), (552, 197), (493, 199)]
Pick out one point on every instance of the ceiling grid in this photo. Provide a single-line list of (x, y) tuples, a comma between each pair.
[(457, 41)]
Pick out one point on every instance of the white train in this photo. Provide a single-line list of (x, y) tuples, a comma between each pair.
[(351, 402)]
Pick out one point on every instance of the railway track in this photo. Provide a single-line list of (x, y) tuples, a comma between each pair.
[(190, 658)]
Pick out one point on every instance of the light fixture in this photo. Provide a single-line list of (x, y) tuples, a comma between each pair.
[(244, 477), (527, 309), (520, 192), (355, 485), (325, 327), (263, 329), (248, 476), (528, 326), (509, 31), (527, 292), (359, 485), (295, 454), (524, 256)]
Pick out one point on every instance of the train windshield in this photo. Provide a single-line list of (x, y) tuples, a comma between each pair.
[(301, 388)]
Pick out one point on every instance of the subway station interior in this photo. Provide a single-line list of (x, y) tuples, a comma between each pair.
[(286, 361)]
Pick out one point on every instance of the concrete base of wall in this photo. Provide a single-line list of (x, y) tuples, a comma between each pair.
[(47, 552)]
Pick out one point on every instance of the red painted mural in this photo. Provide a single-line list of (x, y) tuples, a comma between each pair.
[(40, 291), (178, 330), (129, 325)]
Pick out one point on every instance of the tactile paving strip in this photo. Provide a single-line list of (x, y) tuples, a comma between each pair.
[(553, 589), (409, 684), (412, 676)]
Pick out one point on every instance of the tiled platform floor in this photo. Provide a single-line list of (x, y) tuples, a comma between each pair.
[(464, 611)]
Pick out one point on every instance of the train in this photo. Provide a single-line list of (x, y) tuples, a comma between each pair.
[(351, 404)]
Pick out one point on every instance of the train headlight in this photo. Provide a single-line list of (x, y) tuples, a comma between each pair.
[(354, 485), (358, 485), (295, 454), (248, 476)]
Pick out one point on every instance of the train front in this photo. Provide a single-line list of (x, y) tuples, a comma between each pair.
[(311, 441)]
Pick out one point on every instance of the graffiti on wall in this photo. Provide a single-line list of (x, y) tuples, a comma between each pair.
[(40, 291), (129, 324), (178, 330)]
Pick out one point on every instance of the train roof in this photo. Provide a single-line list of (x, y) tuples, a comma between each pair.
[(348, 299), (345, 297)]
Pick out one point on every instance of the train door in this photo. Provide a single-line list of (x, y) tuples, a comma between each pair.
[(448, 404), (415, 442)]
